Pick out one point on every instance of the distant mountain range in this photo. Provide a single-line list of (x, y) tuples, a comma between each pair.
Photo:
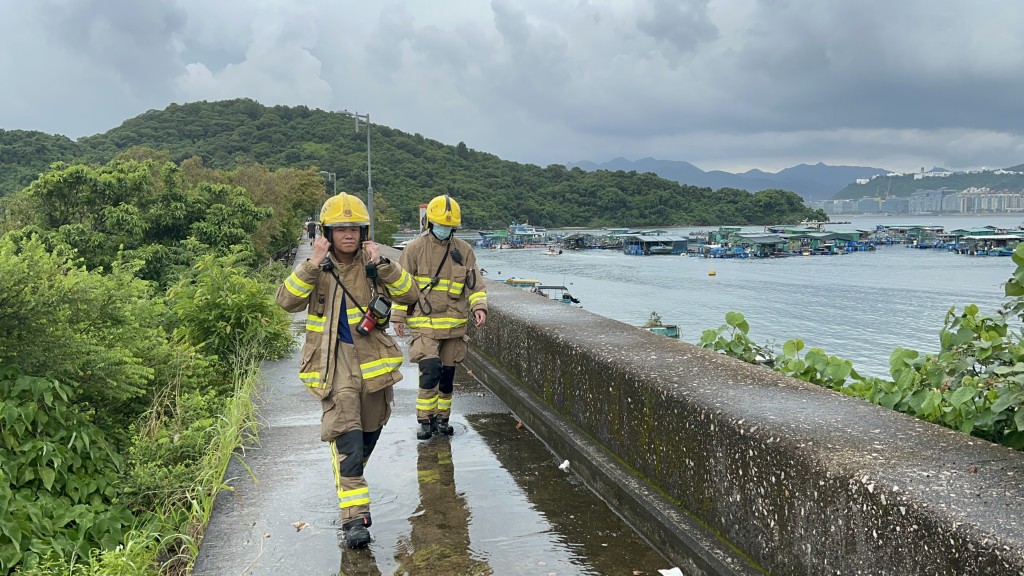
[(812, 182)]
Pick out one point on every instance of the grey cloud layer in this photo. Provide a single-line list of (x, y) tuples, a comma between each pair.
[(727, 84)]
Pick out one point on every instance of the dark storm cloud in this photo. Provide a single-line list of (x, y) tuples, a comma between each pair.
[(730, 84), (903, 65), (134, 39), (680, 24)]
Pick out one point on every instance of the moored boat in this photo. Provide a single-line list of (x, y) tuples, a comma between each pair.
[(655, 325), (556, 293), (528, 283)]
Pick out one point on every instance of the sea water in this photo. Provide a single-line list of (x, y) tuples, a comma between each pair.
[(859, 306)]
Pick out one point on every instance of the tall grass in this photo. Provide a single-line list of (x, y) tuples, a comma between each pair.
[(166, 541)]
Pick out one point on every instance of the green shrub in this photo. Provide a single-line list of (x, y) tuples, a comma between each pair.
[(975, 383), (58, 475), (224, 312)]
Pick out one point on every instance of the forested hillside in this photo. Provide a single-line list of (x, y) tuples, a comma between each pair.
[(903, 186), (25, 155), (408, 169)]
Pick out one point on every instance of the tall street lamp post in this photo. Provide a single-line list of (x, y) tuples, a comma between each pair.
[(331, 177), (369, 172)]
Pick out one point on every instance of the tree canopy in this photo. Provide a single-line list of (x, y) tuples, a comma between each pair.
[(407, 169)]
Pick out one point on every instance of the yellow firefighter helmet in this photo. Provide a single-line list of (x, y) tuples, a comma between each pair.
[(344, 209), (444, 211)]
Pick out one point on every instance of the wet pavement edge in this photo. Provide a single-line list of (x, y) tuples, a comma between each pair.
[(665, 526)]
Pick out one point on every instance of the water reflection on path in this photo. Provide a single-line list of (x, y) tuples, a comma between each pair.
[(489, 500)]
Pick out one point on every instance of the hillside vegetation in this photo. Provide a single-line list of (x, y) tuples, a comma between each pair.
[(903, 186), (136, 310), (408, 169)]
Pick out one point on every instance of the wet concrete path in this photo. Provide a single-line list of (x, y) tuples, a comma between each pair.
[(489, 500)]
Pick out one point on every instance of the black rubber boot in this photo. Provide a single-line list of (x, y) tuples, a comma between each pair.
[(443, 427), (424, 432), (356, 533)]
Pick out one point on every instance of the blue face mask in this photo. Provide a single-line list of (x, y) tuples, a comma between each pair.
[(441, 232)]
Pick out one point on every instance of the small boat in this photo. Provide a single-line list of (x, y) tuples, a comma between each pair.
[(655, 325), (557, 293), (553, 250), (712, 273), (527, 283)]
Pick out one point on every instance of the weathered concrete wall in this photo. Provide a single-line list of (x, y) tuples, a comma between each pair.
[(786, 477)]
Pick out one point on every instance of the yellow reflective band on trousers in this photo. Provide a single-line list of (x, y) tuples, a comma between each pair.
[(444, 404), (357, 497), (477, 297), (311, 379), (382, 366), (434, 323), (296, 286), (402, 285), (315, 323), (426, 404)]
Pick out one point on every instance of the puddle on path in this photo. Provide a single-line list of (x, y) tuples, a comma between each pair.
[(490, 500)]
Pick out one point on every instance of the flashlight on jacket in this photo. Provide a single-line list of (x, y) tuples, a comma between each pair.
[(376, 315)]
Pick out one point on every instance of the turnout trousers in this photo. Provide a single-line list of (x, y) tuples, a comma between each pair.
[(437, 360), (351, 422)]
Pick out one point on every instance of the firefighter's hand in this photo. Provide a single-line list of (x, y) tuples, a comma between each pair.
[(320, 248), (399, 328), (480, 316), (372, 250)]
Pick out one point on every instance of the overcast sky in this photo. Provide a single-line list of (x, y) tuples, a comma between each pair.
[(724, 84)]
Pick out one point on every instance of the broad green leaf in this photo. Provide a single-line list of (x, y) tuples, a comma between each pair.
[(840, 370), (792, 347), (1018, 255), (733, 319), (962, 394), (47, 475), (890, 399)]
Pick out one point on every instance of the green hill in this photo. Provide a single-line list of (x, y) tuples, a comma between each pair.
[(408, 169), (24, 155), (901, 186)]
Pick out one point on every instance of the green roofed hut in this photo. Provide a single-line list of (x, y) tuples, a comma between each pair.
[(762, 245), (652, 243)]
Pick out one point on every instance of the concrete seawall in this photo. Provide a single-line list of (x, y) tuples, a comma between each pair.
[(730, 468)]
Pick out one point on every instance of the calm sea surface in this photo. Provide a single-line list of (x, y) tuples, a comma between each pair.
[(858, 306)]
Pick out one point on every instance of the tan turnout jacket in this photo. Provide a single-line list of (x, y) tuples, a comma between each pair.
[(318, 292), (444, 309)]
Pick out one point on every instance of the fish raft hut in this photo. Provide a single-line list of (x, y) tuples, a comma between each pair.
[(653, 243)]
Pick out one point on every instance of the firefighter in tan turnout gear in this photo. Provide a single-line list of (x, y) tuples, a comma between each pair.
[(451, 294), (348, 361)]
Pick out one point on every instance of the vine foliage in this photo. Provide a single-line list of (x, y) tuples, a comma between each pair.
[(974, 383)]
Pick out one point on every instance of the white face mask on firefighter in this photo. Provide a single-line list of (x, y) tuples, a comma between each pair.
[(441, 232)]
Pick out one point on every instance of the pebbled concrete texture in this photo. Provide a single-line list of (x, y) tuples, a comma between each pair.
[(782, 476)]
